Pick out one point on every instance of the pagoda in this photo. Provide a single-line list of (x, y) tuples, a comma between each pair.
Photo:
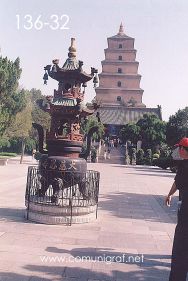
[(119, 92)]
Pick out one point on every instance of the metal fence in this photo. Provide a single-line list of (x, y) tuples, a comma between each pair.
[(62, 188)]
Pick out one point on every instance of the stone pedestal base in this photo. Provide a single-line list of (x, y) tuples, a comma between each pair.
[(62, 197), (60, 215)]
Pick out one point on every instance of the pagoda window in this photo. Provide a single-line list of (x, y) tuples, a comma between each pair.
[(119, 70), (120, 46), (118, 98), (119, 83), (120, 57)]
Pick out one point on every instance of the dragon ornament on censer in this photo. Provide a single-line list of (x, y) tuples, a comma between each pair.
[(62, 180)]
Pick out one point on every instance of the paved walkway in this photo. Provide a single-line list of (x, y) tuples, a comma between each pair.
[(116, 155), (131, 239)]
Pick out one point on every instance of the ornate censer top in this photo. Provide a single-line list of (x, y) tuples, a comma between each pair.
[(66, 106), (72, 83), (71, 71)]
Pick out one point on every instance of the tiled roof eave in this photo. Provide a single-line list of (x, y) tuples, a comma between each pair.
[(122, 115)]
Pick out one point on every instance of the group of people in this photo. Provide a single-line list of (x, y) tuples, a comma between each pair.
[(108, 144), (111, 142)]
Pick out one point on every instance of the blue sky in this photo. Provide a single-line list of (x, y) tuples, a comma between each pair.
[(158, 26)]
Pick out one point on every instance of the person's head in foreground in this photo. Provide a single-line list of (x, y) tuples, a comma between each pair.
[(183, 148)]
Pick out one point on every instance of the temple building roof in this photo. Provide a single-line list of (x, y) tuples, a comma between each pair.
[(122, 115)]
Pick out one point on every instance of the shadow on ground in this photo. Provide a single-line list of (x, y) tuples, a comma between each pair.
[(119, 204), (139, 206), (8, 214), (102, 266)]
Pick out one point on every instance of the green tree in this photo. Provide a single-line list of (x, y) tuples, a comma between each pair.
[(21, 126), (90, 122), (38, 114), (177, 126), (130, 132), (152, 131), (19, 135), (12, 100)]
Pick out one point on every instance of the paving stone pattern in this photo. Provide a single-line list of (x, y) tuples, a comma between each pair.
[(131, 239)]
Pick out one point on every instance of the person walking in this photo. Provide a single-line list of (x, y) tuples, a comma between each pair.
[(33, 153), (108, 154), (105, 154), (179, 261), (111, 143)]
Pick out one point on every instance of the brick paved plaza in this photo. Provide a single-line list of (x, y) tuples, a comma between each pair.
[(132, 237)]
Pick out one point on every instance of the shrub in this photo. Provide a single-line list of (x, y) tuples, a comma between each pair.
[(127, 158), (156, 156), (8, 154), (165, 151), (4, 142), (140, 157), (133, 156), (29, 145), (93, 154), (15, 144), (148, 157), (163, 162), (38, 155)]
